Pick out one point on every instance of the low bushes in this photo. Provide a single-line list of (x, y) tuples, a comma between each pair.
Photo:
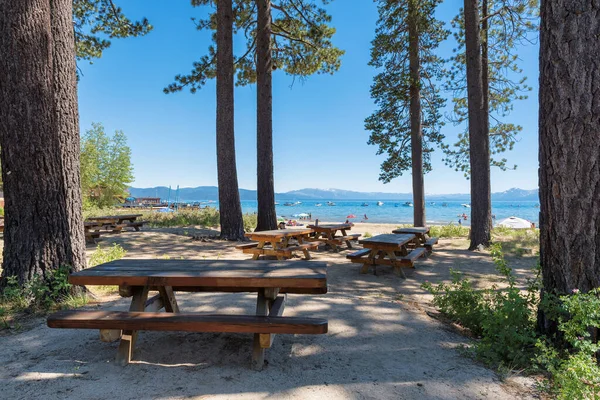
[(504, 322)]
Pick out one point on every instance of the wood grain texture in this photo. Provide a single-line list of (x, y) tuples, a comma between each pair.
[(569, 145), (190, 322), (412, 230), (226, 273), (388, 239)]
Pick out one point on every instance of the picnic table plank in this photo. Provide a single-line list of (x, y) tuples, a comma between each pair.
[(414, 230), (121, 217), (221, 273), (387, 239), (277, 243)]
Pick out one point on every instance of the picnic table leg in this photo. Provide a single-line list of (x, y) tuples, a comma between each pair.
[(125, 351), (168, 298), (305, 251), (397, 267), (347, 241), (368, 261), (331, 241), (261, 244), (265, 297)]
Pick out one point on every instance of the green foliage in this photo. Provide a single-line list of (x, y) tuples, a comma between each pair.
[(510, 23), (208, 217), (367, 235), (41, 293), (97, 21), (101, 256), (106, 169), (449, 231), (503, 318), (250, 222), (1, 211), (390, 123), (301, 43)]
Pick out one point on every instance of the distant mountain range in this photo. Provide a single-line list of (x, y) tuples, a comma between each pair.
[(211, 193)]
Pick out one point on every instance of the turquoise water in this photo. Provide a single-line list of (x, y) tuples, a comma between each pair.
[(436, 214)]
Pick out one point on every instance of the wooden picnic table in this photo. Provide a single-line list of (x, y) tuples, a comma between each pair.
[(327, 233), (279, 243), (271, 280), (115, 223), (387, 249), (422, 235)]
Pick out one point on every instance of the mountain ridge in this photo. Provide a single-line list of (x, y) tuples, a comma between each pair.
[(201, 193)]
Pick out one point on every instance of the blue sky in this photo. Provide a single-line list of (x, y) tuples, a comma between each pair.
[(319, 135)]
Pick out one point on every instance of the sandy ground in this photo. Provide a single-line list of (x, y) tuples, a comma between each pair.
[(381, 344)]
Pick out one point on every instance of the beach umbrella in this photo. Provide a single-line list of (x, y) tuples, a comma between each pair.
[(515, 223), (280, 219), (351, 216)]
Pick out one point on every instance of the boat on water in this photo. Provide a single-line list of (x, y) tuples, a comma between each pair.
[(276, 203), (330, 203), (298, 202), (444, 204), (395, 204), (432, 203), (318, 205), (288, 204), (466, 205), (380, 203), (408, 204), (364, 205)]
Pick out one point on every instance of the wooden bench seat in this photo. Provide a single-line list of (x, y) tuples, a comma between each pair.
[(136, 224), (413, 255), (192, 322), (304, 246), (431, 241), (353, 236), (246, 246), (358, 254)]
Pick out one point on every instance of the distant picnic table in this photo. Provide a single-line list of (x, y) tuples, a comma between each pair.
[(387, 249), (281, 243), (422, 236), (327, 233), (271, 280)]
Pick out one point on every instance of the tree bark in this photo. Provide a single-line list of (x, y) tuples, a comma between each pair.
[(479, 149), (267, 217), (232, 223), (416, 132), (569, 146), (39, 139)]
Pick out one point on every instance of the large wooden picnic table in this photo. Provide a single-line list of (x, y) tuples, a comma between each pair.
[(327, 233), (280, 243), (271, 280), (387, 249)]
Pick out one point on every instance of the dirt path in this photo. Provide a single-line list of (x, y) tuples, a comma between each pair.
[(381, 344)]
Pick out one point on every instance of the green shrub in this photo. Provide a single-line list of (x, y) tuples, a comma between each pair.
[(2, 212), (101, 256), (367, 235), (38, 294), (208, 217), (250, 222), (449, 231), (503, 319)]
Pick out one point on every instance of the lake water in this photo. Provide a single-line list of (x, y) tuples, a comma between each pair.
[(394, 212)]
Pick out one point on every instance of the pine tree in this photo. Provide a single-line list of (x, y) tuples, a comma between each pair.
[(406, 125), (39, 137), (487, 35), (569, 154), (299, 38)]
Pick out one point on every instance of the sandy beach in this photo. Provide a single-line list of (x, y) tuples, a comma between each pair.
[(382, 342)]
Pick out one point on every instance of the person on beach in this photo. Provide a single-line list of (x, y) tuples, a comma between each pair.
[(366, 218), (459, 221)]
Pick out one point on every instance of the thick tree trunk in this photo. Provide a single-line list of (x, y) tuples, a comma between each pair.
[(67, 114), (267, 217), (416, 132), (485, 62), (479, 151), (39, 139), (569, 146), (232, 223)]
